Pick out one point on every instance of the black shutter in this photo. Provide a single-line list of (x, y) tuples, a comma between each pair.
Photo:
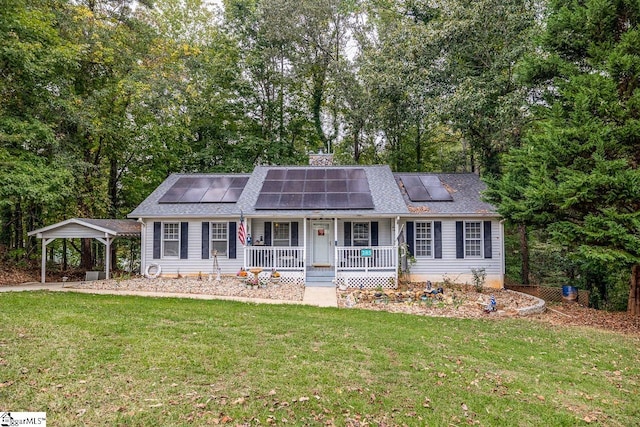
[(205, 240), (294, 234), (488, 250), (184, 240), (347, 233), (267, 233), (233, 237), (374, 233), (459, 239), (157, 236), (437, 239), (410, 237)]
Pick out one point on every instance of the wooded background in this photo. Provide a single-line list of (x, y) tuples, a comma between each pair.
[(102, 99)]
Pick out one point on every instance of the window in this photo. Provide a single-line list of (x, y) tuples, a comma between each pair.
[(360, 234), (219, 238), (171, 239), (424, 239), (281, 234), (473, 239)]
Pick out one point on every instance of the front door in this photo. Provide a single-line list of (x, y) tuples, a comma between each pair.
[(322, 238)]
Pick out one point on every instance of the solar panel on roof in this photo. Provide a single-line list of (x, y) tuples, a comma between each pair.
[(316, 173), (335, 186), (276, 174), (295, 174), (315, 188), (425, 188), (439, 194), (208, 189)]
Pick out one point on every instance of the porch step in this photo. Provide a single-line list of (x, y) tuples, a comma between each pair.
[(324, 281)]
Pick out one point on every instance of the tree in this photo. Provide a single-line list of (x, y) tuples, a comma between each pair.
[(576, 175)]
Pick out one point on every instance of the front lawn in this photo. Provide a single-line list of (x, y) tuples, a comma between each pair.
[(109, 360)]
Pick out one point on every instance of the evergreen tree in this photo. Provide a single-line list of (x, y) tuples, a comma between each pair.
[(576, 175)]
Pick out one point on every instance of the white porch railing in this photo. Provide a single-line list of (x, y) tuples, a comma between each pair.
[(349, 258), (274, 257)]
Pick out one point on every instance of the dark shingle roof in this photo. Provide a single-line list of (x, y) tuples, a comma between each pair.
[(465, 189), (150, 208), (387, 192)]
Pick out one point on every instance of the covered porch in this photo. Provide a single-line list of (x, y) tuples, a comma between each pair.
[(352, 252), (103, 230)]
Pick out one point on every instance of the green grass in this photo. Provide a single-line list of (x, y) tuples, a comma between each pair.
[(110, 360)]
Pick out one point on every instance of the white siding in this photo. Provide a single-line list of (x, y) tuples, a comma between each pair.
[(194, 264), (459, 270)]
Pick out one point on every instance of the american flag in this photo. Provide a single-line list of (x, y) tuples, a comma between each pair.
[(242, 233)]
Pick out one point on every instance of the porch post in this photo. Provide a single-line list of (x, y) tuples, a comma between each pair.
[(107, 256), (304, 249)]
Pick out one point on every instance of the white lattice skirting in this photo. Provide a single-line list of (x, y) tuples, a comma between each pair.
[(292, 277), (375, 280)]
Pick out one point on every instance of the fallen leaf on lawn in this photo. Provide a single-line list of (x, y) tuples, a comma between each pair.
[(589, 419), (6, 384), (465, 407), (540, 397), (239, 401), (226, 419), (303, 399), (157, 405), (272, 392)]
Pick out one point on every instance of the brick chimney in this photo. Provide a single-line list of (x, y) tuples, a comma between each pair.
[(320, 159)]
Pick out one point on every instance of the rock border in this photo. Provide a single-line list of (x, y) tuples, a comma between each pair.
[(539, 307)]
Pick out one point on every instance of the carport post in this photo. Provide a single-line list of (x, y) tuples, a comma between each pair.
[(45, 242)]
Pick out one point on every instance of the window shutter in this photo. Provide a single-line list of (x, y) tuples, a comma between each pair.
[(205, 240), (410, 238), (488, 250), (347, 233), (437, 239), (267, 233), (233, 237), (294, 234), (459, 239), (374, 233), (184, 240), (157, 236)]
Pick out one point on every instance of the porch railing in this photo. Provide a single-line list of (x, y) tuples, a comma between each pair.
[(274, 257), (350, 258)]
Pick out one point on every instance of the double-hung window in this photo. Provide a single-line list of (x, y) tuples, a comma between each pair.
[(281, 234), (473, 239), (171, 239), (219, 241), (424, 239), (361, 234)]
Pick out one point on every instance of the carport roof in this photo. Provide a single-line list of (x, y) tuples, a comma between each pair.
[(114, 227)]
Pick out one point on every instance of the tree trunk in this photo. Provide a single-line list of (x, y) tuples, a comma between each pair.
[(65, 261), (524, 250), (86, 259), (633, 307)]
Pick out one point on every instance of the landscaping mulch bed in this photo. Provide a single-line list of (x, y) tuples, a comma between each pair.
[(226, 286), (459, 301)]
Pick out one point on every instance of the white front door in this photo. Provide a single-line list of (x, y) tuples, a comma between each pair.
[(322, 239)]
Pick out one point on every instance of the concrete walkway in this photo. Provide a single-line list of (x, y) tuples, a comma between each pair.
[(320, 297)]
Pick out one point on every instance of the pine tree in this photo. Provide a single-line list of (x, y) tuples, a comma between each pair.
[(576, 175)]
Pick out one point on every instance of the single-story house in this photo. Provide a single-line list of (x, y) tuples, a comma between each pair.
[(347, 225)]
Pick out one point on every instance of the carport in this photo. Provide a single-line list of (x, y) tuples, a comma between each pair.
[(103, 230)]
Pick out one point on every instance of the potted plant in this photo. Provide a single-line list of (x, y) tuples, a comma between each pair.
[(242, 275), (275, 277)]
